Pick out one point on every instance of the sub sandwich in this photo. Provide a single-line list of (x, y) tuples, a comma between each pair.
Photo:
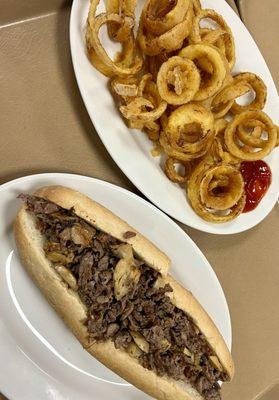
[(111, 287)]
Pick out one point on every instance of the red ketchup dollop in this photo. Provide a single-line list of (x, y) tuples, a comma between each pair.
[(257, 178)]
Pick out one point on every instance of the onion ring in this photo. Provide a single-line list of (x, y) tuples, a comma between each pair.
[(204, 65), (159, 16), (225, 41), (210, 36), (252, 138), (223, 174), (125, 9), (169, 41), (218, 151), (214, 188), (184, 77), (148, 105), (174, 175), (180, 155), (124, 87), (221, 39), (131, 61), (223, 101), (251, 154), (189, 132), (210, 87), (258, 87)]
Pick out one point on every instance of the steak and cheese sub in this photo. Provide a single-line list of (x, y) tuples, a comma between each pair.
[(111, 287)]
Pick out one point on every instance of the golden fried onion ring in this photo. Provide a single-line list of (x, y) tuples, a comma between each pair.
[(131, 61), (124, 87), (210, 86), (216, 192), (169, 41), (178, 80), (218, 151), (224, 176), (256, 152), (223, 101), (147, 105), (159, 16), (173, 174), (221, 39), (250, 132), (189, 132), (125, 9), (224, 38), (258, 87)]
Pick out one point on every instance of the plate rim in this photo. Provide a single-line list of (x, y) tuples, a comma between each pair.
[(209, 227)]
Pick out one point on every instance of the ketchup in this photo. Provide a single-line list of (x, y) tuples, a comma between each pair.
[(257, 179)]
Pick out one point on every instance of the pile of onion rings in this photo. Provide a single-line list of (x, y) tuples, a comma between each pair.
[(173, 80)]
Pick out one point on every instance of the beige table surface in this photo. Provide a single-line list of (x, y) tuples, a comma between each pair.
[(45, 127), (261, 18)]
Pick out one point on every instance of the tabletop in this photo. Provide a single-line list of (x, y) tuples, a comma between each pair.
[(45, 128)]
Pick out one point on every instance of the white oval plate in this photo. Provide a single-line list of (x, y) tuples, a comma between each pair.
[(130, 149), (40, 357)]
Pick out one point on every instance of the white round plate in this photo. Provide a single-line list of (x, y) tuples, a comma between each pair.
[(130, 149), (40, 358)]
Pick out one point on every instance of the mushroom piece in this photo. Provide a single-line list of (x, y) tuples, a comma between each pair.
[(126, 273), (165, 345), (67, 276), (140, 341), (134, 350), (78, 234), (124, 250), (125, 276), (59, 258), (188, 354)]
